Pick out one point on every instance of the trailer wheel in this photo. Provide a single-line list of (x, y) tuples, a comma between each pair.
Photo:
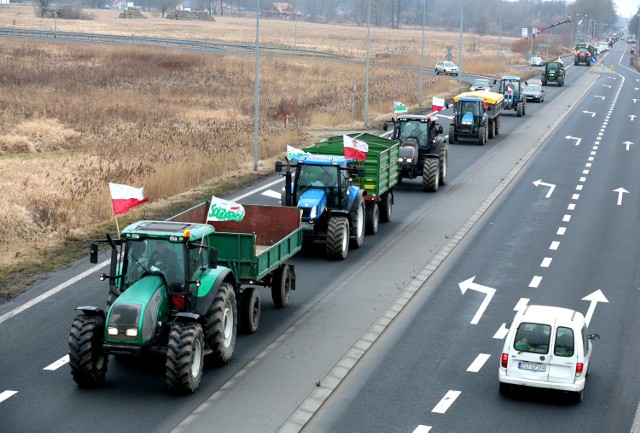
[(282, 284), (444, 165), (491, 131), (185, 357), (482, 135), (87, 361), (386, 207), (452, 134), (360, 216), (373, 218), (249, 311), (430, 174), (497, 120), (221, 323), (519, 109), (337, 238)]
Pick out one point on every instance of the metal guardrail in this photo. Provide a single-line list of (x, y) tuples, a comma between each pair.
[(109, 39)]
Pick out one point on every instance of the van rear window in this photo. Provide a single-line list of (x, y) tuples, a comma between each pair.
[(564, 342), (533, 337)]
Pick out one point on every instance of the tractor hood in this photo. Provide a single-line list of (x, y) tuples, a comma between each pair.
[(134, 315), (312, 202), (467, 118)]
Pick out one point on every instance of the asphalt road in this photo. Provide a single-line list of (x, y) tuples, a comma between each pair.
[(554, 244), (276, 372)]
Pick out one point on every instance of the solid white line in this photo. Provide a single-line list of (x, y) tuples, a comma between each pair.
[(446, 401), (272, 193), (57, 364), (6, 394), (546, 262), (561, 231), (535, 282), (502, 332), (253, 191), (554, 245), (478, 363), (422, 429), (52, 292)]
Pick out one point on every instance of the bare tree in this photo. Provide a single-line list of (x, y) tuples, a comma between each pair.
[(164, 5)]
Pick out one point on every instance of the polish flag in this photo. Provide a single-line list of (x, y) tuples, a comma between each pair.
[(125, 197), (437, 104), (355, 149)]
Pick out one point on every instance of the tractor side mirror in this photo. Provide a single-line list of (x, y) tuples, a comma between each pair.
[(279, 166), (385, 126), (526, 84), (359, 172), (213, 258), (495, 81), (93, 255), (440, 130)]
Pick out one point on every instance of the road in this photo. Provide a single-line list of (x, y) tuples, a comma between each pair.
[(554, 242), (280, 374)]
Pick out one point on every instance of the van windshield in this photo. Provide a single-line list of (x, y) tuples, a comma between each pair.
[(533, 337)]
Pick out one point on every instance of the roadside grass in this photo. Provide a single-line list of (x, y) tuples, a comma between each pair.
[(76, 117)]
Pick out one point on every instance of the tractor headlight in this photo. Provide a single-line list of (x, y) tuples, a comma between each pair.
[(314, 212), (131, 332), (111, 330)]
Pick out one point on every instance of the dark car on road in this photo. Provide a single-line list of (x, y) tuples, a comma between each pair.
[(534, 92)]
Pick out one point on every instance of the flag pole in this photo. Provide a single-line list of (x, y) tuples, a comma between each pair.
[(117, 226)]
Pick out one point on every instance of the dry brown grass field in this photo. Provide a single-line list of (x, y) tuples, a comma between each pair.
[(76, 117)]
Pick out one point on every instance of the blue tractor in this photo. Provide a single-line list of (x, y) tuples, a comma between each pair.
[(333, 208), (514, 98)]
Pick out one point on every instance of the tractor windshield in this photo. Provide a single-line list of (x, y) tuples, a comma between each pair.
[(470, 107), (413, 129), (320, 176), (153, 255)]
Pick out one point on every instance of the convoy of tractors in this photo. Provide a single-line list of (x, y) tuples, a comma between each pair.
[(184, 287)]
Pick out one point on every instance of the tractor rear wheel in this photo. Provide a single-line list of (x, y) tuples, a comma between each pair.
[(373, 218), (482, 135), (221, 323), (185, 357), (359, 221), (338, 238), (249, 311), (452, 134), (519, 109), (282, 283), (386, 207), (88, 363), (431, 174)]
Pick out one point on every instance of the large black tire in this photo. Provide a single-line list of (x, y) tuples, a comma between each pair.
[(221, 323), (359, 223), (491, 129), (249, 311), (338, 238), (505, 389), (185, 357), (444, 165), (282, 283), (543, 81), (524, 108), (87, 361), (561, 81), (386, 207), (519, 109), (497, 120), (452, 134), (482, 135), (431, 174), (373, 218)]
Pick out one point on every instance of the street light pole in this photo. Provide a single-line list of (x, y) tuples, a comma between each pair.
[(424, 12), (460, 46), (366, 84), (499, 34), (257, 87)]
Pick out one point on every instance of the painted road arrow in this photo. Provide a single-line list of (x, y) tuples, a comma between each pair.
[(488, 291), (607, 85), (568, 137), (590, 112), (627, 143), (632, 116), (634, 100), (620, 191), (598, 96), (550, 185), (594, 298)]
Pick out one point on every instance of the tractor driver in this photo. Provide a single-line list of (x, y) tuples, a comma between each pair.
[(166, 260)]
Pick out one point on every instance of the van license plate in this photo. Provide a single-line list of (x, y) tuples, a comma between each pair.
[(532, 367)]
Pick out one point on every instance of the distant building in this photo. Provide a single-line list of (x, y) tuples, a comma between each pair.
[(4, 2), (281, 10)]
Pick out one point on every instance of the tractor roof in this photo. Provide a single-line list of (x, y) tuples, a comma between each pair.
[(466, 99), (407, 117), (171, 230), (511, 78), (322, 159)]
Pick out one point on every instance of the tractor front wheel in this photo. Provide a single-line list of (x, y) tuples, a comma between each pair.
[(444, 165), (359, 222), (338, 238), (221, 323), (482, 135), (185, 357), (520, 109), (452, 134), (431, 174), (87, 361)]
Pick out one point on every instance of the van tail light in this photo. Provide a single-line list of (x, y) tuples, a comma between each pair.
[(579, 368), (178, 302), (504, 360)]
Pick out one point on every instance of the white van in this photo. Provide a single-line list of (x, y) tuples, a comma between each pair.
[(546, 347)]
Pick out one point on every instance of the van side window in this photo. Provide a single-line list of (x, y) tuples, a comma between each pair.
[(533, 337), (564, 342)]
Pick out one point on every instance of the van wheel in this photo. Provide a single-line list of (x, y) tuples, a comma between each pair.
[(577, 396), (505, 389)]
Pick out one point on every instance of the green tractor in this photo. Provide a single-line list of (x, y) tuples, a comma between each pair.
[(183, 289), (553, 73)]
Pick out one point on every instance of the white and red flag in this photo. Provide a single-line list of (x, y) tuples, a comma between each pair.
[(437, 104), (124, 197), (355, 149)]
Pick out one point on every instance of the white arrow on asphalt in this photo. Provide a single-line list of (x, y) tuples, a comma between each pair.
[(632, 116), (634, 100), (636, 88), (594, 298), (550, 185), (488, 291), (590, 112), (568, 137), (628, 143), (607, 85), (598, 96), (620, 191)]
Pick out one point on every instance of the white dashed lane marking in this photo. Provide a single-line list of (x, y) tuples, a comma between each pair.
[(59, 363), (446, 401), (477, 364), (7, 394)]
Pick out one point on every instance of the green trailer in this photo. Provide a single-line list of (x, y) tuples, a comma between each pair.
[(380, 172), (183, 287)]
